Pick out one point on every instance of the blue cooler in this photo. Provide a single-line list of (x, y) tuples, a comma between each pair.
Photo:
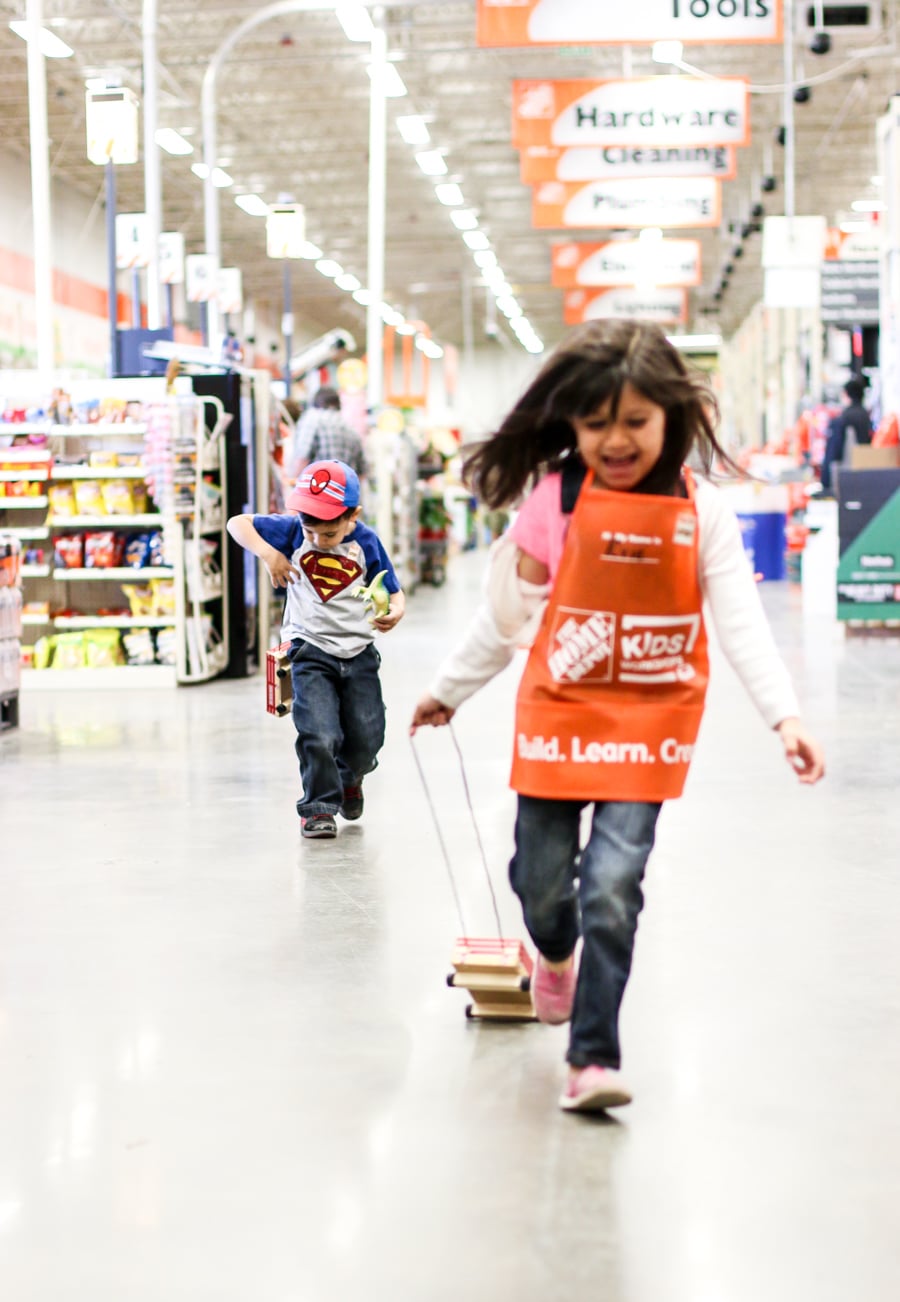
[(765, 543), (762, 513)]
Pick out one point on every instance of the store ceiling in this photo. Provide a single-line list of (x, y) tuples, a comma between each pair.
[(293, 120)]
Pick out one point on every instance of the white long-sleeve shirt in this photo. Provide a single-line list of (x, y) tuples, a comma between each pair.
[(510, 613)]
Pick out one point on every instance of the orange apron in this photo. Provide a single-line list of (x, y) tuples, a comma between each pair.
[(610, 702)]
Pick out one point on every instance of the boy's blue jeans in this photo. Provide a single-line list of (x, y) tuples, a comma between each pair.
[(603, 907), (338, 712)]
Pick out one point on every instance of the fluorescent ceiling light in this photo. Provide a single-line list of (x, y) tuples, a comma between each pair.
[(429, 348), (391, 82), (432, 162), (508, 306), (464, 219), (309, 251), (413, 129), (347, 281), (201, 170), (695, 341), (651, 235), (867, 205), (406, 329), (448, 193), (667, 52), (172, 141), (329, 268), (476, 239), (252, 204), (49, 43), (485, 258), (363, 296), (220, 179), (355, 21), (855, 228), (390, 316)]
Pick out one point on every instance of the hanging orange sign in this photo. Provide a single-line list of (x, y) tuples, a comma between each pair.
[(662, 306), (406, 370), (614, 204), (652, 111), (614, 162), (625, 262), (575, 22)]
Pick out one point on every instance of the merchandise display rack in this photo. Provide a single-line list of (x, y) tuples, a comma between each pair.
[(10, 629), (176, 631)]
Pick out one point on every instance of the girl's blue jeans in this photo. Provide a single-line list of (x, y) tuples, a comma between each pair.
[(338, 712), (595, 893)]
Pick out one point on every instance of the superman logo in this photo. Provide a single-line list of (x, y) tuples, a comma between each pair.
[(329, 574)]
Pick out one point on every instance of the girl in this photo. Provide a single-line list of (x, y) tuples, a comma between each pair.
[(612, 556)]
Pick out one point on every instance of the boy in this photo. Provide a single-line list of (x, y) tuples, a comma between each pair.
[(322, 553)]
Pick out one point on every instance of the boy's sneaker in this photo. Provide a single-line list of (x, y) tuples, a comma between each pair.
[(553, 993), (593, 1089), (352, 806), (318, 825)]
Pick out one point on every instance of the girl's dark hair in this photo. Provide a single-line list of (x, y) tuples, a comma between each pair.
[(589, 368)]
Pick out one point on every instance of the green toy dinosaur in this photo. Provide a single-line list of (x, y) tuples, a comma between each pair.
[(376, 595)]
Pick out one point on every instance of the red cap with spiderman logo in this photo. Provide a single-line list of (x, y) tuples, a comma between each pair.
[(325, 489)]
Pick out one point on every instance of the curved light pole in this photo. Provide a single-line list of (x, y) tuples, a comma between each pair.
[(377, 152)]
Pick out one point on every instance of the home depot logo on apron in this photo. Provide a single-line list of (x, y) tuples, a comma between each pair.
[(610, 702)]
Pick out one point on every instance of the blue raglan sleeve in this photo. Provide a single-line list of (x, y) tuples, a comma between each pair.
[(377, 559), (283, 532)]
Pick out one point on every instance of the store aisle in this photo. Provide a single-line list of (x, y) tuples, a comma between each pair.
[(230, 1070)]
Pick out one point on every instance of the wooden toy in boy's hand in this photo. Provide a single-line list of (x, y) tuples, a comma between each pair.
[(279, 684)]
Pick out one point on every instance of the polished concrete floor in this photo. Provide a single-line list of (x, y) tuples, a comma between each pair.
[(231, 1070)]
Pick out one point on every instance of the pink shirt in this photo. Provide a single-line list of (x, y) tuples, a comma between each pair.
[(540, 527)]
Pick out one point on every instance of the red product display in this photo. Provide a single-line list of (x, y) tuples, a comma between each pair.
[(102, 550), (69, 550)]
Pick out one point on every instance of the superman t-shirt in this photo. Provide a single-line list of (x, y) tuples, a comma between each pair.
[(321, 606)]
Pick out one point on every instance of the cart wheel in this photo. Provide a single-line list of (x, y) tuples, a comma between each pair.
[(450, 978), (525, 984), (470, 1011), (281, 673)]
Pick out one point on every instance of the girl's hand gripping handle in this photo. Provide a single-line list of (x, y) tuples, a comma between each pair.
[(430, 712)]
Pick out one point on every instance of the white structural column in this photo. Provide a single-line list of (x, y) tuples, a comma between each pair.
[(888, 137), (377, 191), (40, 194), (152, 171)]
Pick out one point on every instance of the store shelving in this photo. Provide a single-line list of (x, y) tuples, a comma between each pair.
[(181, 435)]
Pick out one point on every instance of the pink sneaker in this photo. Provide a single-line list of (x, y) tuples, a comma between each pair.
[(553, 993), (593, 1089)]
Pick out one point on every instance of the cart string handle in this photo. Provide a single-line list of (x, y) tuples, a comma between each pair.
[(437, 826)]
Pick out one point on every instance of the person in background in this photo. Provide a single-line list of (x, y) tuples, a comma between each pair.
[(611, 558), (323, 554), (322, 434), (850, 426)]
